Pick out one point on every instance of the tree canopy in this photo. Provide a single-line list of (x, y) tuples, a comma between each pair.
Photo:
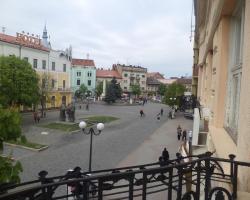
[(80, 93), (174, 91), (19, 85), (99, 89), (18, 82), (113, 91), (162, 89), (135, 89)]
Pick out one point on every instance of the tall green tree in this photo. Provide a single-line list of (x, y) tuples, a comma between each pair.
[(135, 89), (99, 89), (18, 82), (18, 86), (162, 89), (174, 91), (113, 91)]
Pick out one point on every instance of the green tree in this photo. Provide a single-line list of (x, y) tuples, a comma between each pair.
[(18, 86), (135, 89), (80, 93), (162, 89), (99, 89), (83, 89), (9, 171), (174, 91), (113, 92), (18, 82)]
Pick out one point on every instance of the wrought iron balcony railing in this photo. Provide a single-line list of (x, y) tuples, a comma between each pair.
[(181, 179)]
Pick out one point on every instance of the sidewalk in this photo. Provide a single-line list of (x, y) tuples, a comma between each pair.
[(150, 150), (165, 136)]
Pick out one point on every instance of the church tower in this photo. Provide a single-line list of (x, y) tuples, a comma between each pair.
[(45, 41)]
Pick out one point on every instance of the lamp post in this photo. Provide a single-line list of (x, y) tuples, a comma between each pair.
[(100, 127), (190, 136)]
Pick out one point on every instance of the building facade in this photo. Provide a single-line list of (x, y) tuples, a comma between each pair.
[(222, 54), (132, 75), (83, 71), (152, 86), (52, 66)]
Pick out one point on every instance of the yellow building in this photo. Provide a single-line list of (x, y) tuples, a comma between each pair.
[(52, 66), (222, 55)]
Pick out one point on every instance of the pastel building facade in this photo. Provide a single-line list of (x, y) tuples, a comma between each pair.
[(55, 65), (222, 55), (83, 71), (132, 75)]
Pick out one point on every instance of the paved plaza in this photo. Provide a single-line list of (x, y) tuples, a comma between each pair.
[(130, 140)]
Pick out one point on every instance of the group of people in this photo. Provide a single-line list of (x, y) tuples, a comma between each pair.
[(181, 134)]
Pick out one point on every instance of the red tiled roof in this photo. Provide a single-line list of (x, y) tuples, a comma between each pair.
[(83, 62), (156, 75), (13, 40), (107, 74), (184, 81)]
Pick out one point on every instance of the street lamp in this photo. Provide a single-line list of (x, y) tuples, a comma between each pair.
[(99, 127), (190, 136)]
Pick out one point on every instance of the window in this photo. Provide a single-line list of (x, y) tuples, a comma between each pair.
[(78, 82), (143, 82), (143, 76), (78, 73), (126, 75), (26, 59), (53, 66), (89, 82), (125, 81), (234, 71), (125, 88), (142, 88), (64, 84), (89, 74), (53, 83), (44, 64), (64, 67), (35, 63)]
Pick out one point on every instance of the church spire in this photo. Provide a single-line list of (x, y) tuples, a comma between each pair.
[(45, 41), (45, 35)]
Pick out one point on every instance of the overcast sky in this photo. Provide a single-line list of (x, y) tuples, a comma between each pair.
[(150, 33)]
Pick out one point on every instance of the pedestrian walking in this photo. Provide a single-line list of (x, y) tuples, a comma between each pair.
[(142, 113), (161, 111), (179, 130), (184, 135), (165, 155), (38, 117), (35, 116)]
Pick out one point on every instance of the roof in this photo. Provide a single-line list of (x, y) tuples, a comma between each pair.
[(184, 81), (83, 62), (15, 40), (152, 81), (156, 75), (102, 73), (167, 81)]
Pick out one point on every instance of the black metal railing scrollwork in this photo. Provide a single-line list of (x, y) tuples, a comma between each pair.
[(182, 178)]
